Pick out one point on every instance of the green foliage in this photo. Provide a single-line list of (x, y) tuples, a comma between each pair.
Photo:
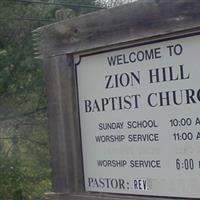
[(25, 172), (11, 179)]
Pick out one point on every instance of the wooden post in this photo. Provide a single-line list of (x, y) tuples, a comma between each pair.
[(63, 124)]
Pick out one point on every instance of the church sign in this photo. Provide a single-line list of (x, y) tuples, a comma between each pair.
[(140, 122), (123, 102)]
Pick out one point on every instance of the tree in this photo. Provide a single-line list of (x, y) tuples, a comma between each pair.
[(25, 171)]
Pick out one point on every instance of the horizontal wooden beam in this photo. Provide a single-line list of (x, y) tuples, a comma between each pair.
[(93, 196), (131, 22)]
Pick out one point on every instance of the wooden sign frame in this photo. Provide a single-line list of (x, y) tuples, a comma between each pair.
[(135, 23)]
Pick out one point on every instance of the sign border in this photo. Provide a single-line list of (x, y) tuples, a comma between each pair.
[(115, 48)]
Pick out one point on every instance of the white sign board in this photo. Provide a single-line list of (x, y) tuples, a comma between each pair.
[(140, 118)]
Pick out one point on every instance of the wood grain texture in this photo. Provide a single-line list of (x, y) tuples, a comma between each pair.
[(63, 124), (96, 196), (131, 22)]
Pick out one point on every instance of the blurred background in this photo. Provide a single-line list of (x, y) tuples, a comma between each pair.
[(25, 172)]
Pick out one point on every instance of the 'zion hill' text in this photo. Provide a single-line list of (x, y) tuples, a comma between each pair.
[(154, 99)]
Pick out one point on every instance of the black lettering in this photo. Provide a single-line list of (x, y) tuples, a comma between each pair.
[(157, 53), (197, 122), (112, 60), (190, 96), (96, 106), (145, 163), (140, 55), (108, 79), (88, 107), (149, 99), (132, 57), (164, 98), (124, 79), (135, 77), (154, 73), (183, 76), (124, 58), (198, 136), (171, 74), (105, 102), (174, 94), (119, 59)]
